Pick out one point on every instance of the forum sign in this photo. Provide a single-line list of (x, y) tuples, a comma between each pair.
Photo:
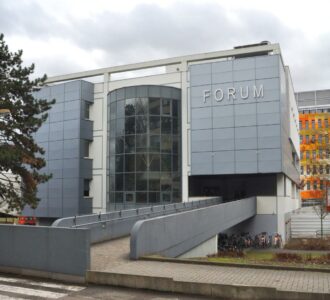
[(232, 93)]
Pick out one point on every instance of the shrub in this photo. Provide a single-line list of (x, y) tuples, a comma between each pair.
[(288, 257), (230, 253), (308, 244)]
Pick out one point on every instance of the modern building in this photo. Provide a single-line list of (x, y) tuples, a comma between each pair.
[(314, 118), (223, 123)]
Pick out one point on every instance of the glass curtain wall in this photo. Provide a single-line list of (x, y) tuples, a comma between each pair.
[(144, 153)]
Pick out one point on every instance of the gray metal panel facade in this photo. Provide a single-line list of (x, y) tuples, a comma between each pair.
[(313, 98), (62, 136), (288, 167), (242, 135)]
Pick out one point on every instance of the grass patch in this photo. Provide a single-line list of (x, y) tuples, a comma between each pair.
[(277, 259)]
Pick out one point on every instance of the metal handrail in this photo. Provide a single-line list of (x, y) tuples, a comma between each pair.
[(201, 203)]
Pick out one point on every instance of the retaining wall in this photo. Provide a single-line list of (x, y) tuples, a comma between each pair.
[(174, 235), (116, 224), (44, 249)]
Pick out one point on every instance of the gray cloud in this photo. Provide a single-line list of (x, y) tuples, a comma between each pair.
[(150, 32)]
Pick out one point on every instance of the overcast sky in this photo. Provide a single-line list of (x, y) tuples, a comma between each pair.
[(66, 36)]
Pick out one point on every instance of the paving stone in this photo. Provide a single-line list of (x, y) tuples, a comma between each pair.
[(113, 256)]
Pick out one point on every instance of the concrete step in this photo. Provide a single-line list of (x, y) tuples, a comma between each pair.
[(167, 284)]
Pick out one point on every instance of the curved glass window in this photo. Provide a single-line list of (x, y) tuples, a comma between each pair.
[(144, 139)]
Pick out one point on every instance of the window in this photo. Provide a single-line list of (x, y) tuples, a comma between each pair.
[(327, 169), (154, 181), (130, 125), (314, 185), (166, 144), (141, 124), (129, 181), (154, 106), (154, 162), (301, 138), (129, 197), (307, 139), (113, 107), (308, 185), (154, 125), (144, 143), (86, 148), (154, 197), (321, 185), (129, 143), (319, 123), (119, 182), (154, 143), (86, 187), (142, 181), (301, 170), (86, 111), (314, 154), (313, 139), (120, 127), (307, 154), (141, 197), (166, 197), (166, 107), (119, 163), (314, 170), (119, 145), (313, 124), (326, 123), (300, 124), (175, 108), (306, 125), (166, 125), (319, 138), (166, 163), (141, 106), (129, 163), (129, 107)]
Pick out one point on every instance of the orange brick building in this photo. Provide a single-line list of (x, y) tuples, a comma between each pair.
[(314, 119)]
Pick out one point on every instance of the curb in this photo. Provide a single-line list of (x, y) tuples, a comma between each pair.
[(238, 265), (166, 284)]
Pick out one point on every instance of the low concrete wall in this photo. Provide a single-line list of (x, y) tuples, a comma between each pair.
[(44, 249), (119, 223), (176, 234)]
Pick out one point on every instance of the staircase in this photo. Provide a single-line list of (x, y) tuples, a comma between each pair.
[(305, 223)]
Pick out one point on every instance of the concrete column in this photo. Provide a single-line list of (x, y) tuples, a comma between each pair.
[(185, 131), (105, 141)]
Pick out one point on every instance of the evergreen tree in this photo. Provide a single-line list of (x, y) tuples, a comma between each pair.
[(21, 115)]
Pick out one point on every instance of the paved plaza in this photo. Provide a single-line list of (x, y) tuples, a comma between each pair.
[(113, 257)]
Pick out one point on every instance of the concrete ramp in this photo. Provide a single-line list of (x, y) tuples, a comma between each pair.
[(174, 235)]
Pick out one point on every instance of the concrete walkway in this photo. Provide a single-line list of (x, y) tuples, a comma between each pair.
[(112, 258)]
